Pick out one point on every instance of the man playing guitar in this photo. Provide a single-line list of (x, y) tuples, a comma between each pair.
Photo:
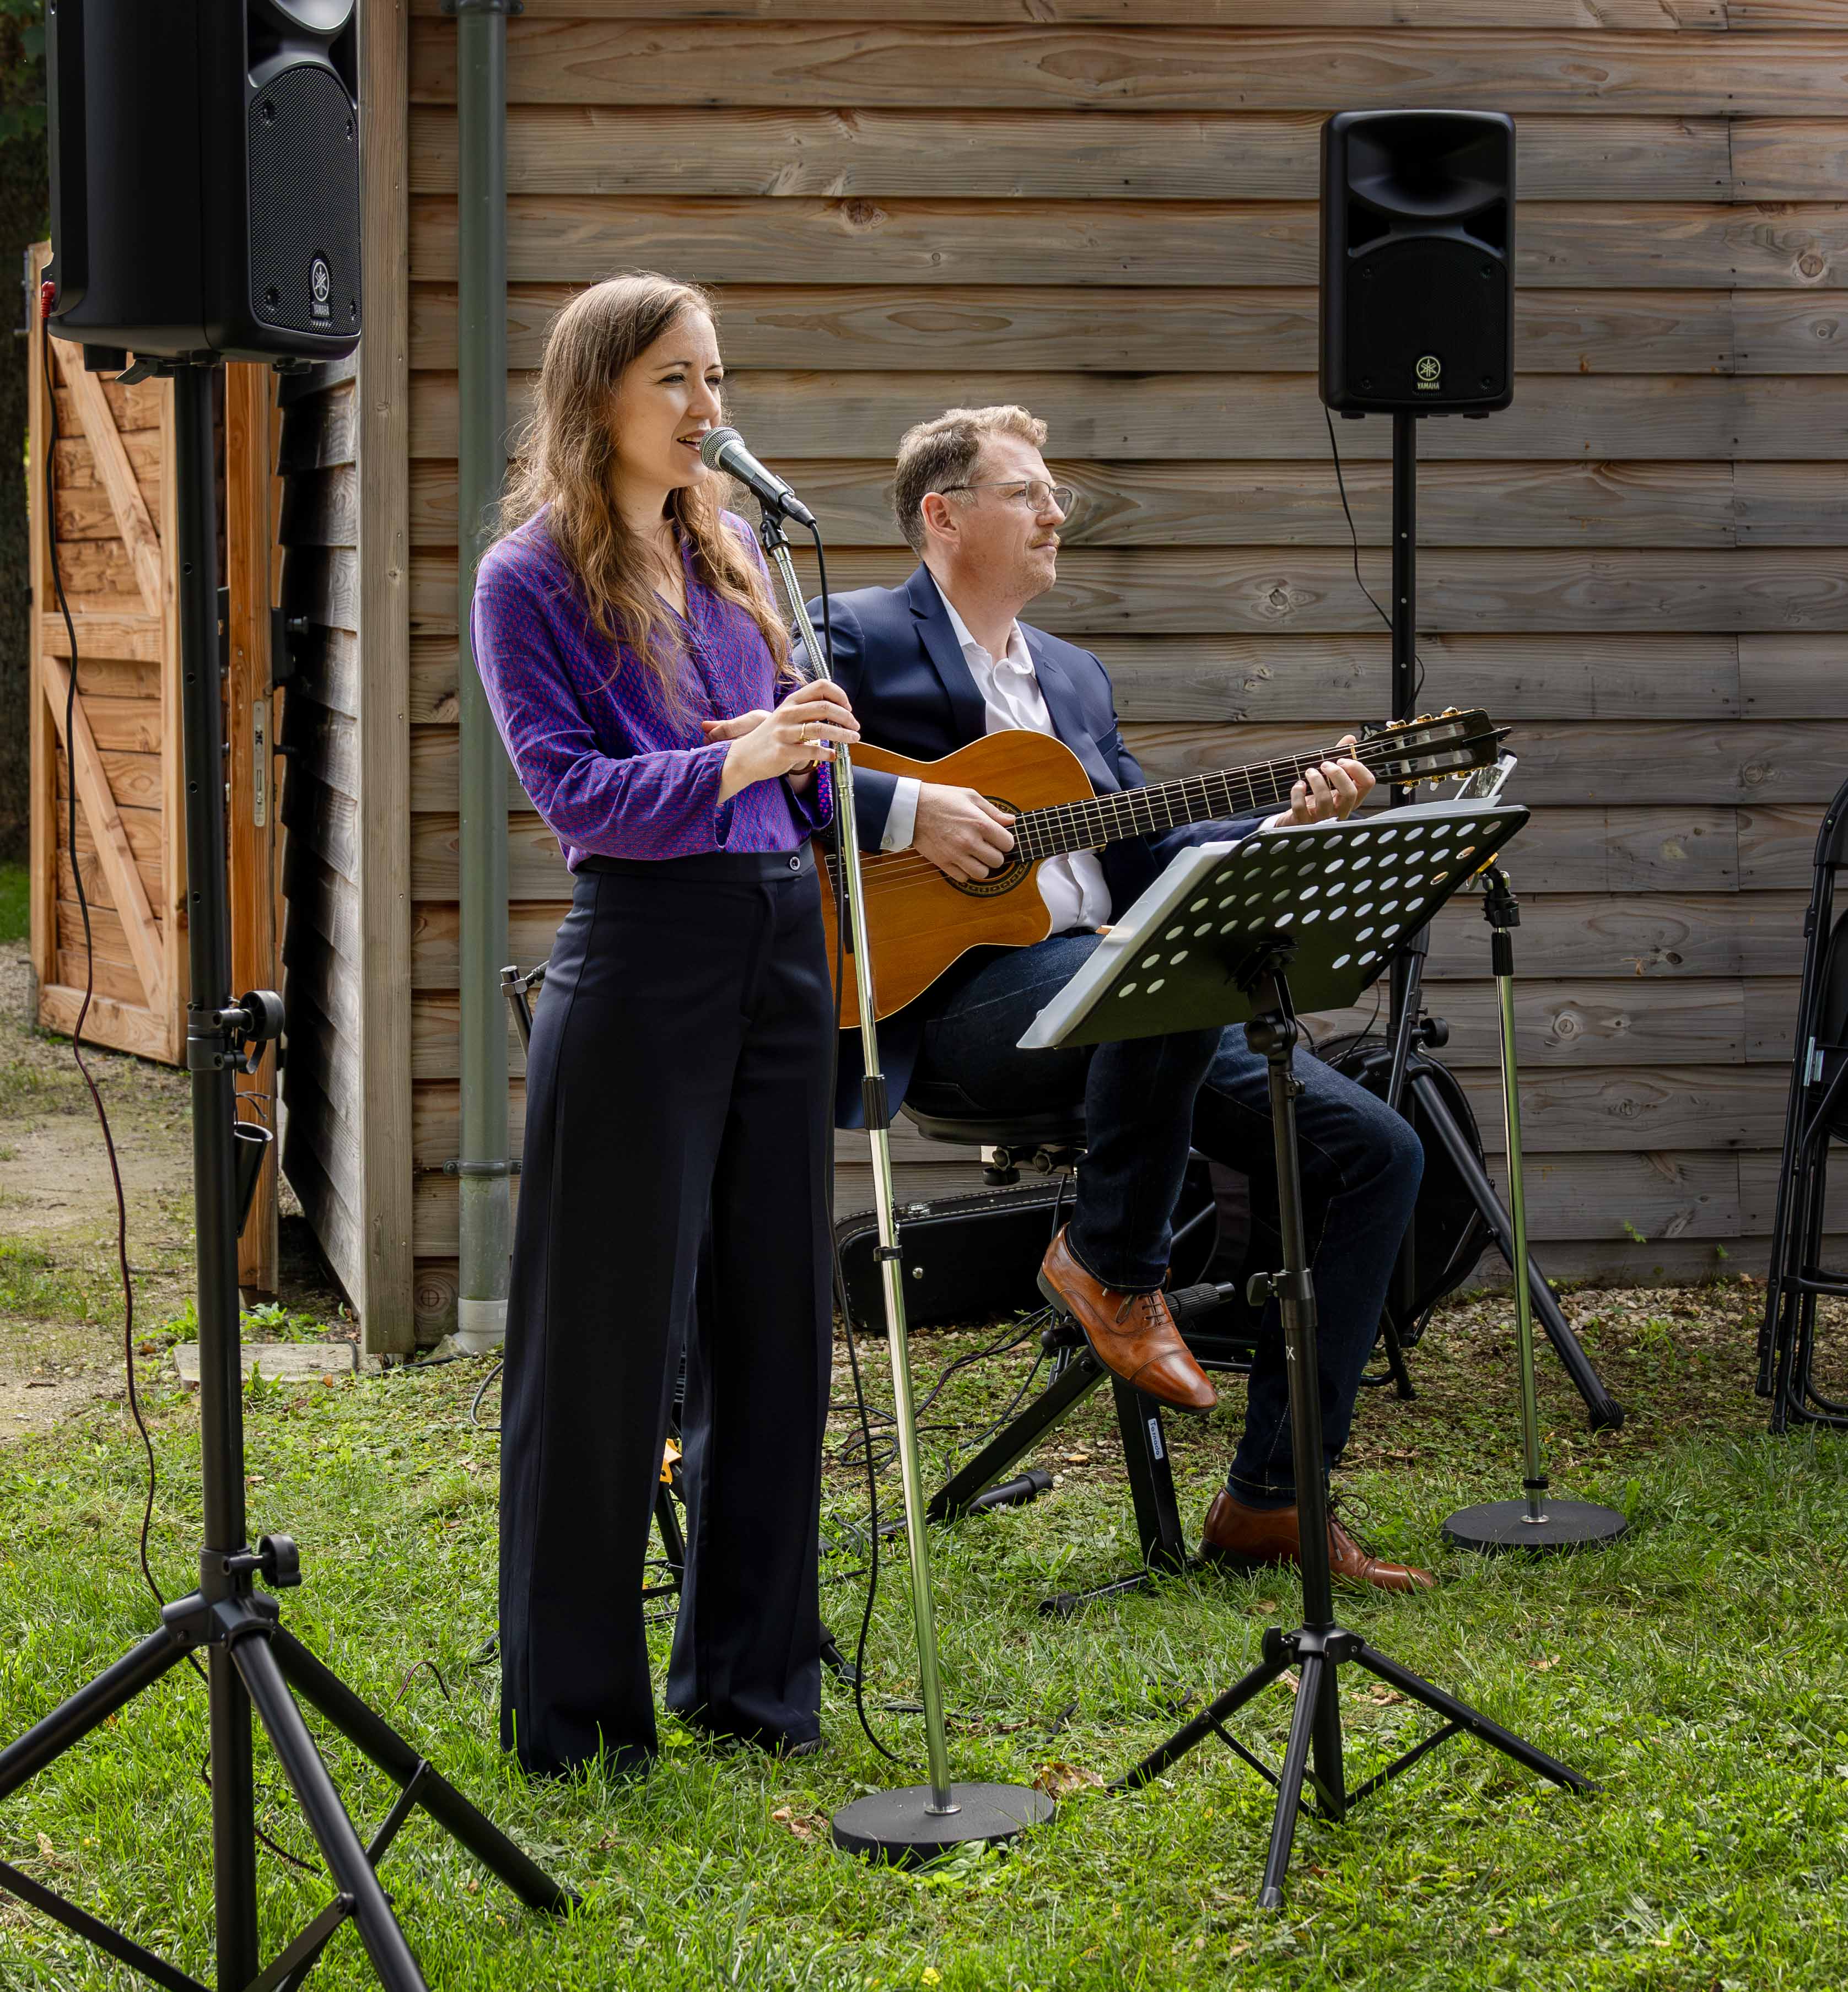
[(940, 662)]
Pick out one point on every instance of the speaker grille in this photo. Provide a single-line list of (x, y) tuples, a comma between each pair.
[(305, 204)]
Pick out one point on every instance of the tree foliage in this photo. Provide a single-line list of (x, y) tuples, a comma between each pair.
[(21, 70)]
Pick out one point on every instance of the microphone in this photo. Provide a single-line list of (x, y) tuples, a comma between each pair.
[(723, 449)]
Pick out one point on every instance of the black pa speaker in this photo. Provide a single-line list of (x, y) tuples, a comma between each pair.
[(1418, 258), (205, 176)]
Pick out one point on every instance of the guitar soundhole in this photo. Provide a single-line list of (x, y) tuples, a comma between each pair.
[(1010, 875)]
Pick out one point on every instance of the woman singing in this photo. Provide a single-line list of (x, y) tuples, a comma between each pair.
[(682, 1061)]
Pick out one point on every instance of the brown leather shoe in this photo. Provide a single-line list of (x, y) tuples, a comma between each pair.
[(1252, 1538), (1132, 1334)]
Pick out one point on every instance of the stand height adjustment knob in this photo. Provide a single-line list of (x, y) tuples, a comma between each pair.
[(280, 1561)]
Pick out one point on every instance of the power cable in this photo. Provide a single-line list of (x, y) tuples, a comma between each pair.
[(1353, 536)]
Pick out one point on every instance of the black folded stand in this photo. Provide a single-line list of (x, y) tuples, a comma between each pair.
[(1220, 939)]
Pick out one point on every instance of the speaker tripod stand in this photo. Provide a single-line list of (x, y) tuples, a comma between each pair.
[(252, 1661)]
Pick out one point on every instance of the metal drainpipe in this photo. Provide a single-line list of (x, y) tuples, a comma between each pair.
[(486, 1227)]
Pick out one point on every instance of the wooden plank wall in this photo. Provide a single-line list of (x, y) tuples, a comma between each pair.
[(323, 1089), (1108, 211)]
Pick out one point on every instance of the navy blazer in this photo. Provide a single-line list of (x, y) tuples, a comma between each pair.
[(896, 658)]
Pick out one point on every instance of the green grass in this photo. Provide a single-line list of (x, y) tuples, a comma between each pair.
[(15, 907), (1695, 1670), (35, 1285)]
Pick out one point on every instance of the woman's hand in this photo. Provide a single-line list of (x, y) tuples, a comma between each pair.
[(1330, 790), (796, 738)]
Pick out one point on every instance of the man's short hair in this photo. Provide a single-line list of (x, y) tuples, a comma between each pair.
[(936, 454)]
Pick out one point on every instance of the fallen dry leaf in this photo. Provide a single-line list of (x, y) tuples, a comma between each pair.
[(1380, 1692), (1059, 1779), (804, 1825)]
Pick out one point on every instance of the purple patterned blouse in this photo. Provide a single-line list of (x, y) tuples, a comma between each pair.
[(606, 760)]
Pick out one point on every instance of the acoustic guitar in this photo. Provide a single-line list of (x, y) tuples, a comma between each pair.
[(920, 921)]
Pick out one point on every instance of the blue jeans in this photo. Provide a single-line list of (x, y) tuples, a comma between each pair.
[(1146, 1101)]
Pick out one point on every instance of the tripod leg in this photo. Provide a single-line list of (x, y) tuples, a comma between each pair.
[(1069, 1387), (1302, 1726), (1151, 1478), (234, 1821), (1330, 1776), (333, 1832), (89, 1708), (1208, 1720), (370, 1733), (1395, 1356), (1467, 1718)]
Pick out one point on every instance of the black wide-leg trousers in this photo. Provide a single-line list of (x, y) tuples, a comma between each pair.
[(680, 1083)]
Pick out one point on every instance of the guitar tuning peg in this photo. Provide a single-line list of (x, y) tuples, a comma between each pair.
[(1450, 712), (1394, 725), (1424, 719)]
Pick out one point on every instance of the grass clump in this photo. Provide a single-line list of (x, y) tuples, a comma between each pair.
[(15, 904)]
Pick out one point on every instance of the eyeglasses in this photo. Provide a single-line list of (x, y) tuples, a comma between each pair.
[(1031, 492)]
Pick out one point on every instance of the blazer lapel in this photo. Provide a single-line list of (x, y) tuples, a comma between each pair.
[(1067, 711), (945, 654)]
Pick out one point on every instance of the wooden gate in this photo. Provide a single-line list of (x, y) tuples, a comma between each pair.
[(114, 531), (116, 539)]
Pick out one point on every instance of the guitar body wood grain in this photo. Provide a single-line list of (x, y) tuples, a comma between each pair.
[(920, 921)]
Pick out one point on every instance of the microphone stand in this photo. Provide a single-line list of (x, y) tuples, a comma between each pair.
[(910, 1825)]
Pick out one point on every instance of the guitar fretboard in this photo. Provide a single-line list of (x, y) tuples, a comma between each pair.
[(1098, 821)]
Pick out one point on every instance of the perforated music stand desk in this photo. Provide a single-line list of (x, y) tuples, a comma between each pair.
[(1239, 933), (1343, 892)]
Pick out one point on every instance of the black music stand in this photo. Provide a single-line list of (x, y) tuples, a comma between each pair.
[(1220, 938)]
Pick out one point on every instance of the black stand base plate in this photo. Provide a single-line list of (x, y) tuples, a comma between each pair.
[(1504, 1526), (899, 1828)]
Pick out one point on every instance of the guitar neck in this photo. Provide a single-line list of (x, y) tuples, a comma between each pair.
[(1227, 792)]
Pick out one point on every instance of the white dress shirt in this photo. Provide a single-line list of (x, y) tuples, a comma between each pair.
[(1072, 886)]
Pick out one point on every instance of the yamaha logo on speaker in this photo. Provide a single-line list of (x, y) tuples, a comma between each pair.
[(320, 288), (1428, 369)]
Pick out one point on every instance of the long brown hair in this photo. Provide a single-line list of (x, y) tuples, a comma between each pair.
[(565, 458)]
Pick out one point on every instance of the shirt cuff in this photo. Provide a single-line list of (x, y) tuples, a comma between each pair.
[(1271, 822), (901, 818)]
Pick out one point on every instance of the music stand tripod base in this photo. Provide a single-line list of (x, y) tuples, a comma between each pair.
[(900, 1828), (1221, 938), (1496, 1526)]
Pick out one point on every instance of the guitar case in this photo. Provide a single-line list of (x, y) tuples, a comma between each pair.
[(967, 1259), (970, 1258)]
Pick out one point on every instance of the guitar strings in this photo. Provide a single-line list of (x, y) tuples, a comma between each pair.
[(1106, 813)]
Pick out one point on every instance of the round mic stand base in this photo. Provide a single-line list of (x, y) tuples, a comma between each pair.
[(1508, 1526), (1536, 1522), (903, 1829)]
